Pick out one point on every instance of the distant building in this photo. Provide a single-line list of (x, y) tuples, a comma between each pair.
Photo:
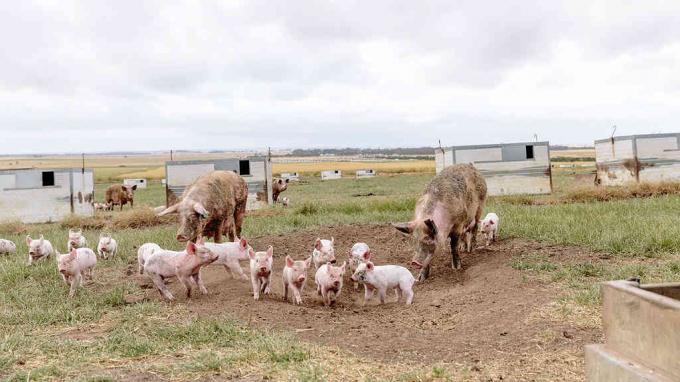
[(256, 171), (291, 176), (365, 173), (140, 183), (508, 168), (331, 174), (638, 158), (45, 195)]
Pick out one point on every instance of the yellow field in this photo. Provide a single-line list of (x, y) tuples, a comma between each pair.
[(389, 167), (575, 153)]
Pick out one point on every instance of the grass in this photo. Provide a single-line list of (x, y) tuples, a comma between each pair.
[(101, 336)]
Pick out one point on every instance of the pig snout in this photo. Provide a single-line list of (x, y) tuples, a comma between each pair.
[(182, 238), (333, 261), (62, 271), (336, 284), (301, 279), (263, 269)]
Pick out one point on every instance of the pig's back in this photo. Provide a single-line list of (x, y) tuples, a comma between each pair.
[(393, 274), (86, 257)]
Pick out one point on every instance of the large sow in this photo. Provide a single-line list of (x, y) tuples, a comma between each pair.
[(213, 205), (450, 206)]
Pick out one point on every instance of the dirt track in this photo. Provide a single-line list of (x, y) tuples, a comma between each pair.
[(488, 313)]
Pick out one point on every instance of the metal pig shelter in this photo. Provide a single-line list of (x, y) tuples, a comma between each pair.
[(45, 195), (508, 168), (638, 158), (256, 171)]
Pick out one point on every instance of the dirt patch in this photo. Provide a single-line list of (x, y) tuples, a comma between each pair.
[(485, 314)]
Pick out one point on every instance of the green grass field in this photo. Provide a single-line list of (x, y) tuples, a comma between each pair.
[(46, 336)]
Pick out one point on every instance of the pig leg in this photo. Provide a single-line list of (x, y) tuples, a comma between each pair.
[(66, 279), (324, 296), (30, 260), (296, 295), (397, 293), (160, 285), (238, 223), (368, 293), (455, 259), (285, 291), (140, 268), (382, 292), (75, 283), (268, 287), (186, 281), (199, 281), (256, 288), (236, 270)]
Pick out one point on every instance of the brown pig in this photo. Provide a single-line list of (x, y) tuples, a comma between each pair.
[(120, 194), (211, 206), (278, 187), (452, 200)]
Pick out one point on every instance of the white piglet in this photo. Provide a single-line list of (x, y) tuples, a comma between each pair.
[(76, 239), (324, 252), (359, 253), (107, 247), (294, 277), (328, 280), (185, 265), (7, 247), (38, 249), (230, 256), (261, 271), (384, 278), (144, 252), (75, 265), (489, 227)]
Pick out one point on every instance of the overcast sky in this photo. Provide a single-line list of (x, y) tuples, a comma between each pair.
[(147, 75)]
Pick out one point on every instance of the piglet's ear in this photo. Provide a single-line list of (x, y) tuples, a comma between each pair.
[(270, 251), (317, 244), (191, 248), (251, 253), (367, 255), (73, 252), (308, 262), (289, 261), (243, 243), (28, 240)]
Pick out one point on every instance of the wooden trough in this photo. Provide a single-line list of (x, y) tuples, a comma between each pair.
[(642, 334)]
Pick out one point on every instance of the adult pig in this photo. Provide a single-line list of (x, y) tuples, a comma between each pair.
[(451, 204), (211, 206), (120, 194)]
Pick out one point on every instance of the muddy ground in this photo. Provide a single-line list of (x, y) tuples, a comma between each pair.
[(488, 318)]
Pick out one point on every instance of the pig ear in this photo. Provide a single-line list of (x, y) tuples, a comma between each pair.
[(369, 265), (343, 267), (198, 207), (73, 252), (191, 248), (289, 261), (270, 251), (287, 180), (367, 255), (251, 253), (280, 181), (432, 227), (243, 243), (317, 244), (170, 210), (42, 239), (406, 228), (308, 262), (28, 240), (134, 187)]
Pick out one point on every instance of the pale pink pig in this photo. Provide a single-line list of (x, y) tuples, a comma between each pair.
[(294, 277)]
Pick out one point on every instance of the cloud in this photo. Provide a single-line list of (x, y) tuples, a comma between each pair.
[(251, 74)]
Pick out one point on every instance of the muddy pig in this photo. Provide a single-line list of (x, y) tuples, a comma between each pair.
[(278, 187), (185, 265), (261, 271), (120, 194), (75, 265), (328, 281), (323, 252), (144, 252), (453, 199), (294, 277), (38, 249), (384, 278)]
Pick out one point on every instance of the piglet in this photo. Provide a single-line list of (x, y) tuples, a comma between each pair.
[(294, 276), (38, 249), (328, 280), (185, 265), (384, 278), (75, 265), (261, 271), (323, 252), (489, 227), (107, 246), (144, 252), (230, 254), (76, 239), (7, 247), (359, 253), (285, 201)]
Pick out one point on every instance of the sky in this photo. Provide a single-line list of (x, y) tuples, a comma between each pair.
[(92, 76)]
